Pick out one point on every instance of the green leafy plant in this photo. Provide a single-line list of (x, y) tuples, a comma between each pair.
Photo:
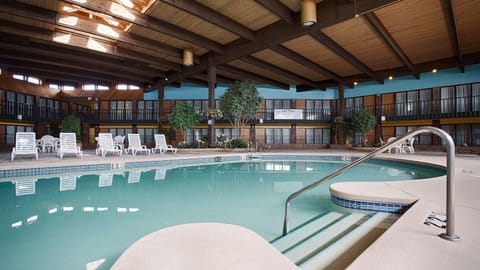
[(239, 104), (237, 143), (213, 113), (71, 123), (363, 122), (183, 117)]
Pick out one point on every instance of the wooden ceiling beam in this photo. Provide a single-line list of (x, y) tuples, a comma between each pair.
[(212, 16), (147, 58), (87, 75), (220, 78), (32, 36), (306, 62), (340, 51), (72, 58), (85, 26), (454, 37), (275, 69), (388, 39), (279, 9), (329, 11), (57, 78), (254, 77), (62, 63), (151, 23), (363, 7), (446, 63)]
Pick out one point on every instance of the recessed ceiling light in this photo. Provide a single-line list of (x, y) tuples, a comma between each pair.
[(434, 70), (390, 77)]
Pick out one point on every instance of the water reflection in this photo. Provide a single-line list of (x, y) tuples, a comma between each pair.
[(24, 186)]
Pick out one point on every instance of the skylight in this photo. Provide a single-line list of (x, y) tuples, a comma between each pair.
[(107, 30), (62, 38), (121, 11), (95, 45), (68, 20), (127, 3)]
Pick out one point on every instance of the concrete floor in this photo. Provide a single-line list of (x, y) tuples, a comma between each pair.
[(407, 244)]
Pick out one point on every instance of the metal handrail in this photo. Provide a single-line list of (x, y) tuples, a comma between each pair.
[(447, 141)]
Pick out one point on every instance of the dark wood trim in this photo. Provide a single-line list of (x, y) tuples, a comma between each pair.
[(279, 9), (387, 38), (453, 33), (212, 16)]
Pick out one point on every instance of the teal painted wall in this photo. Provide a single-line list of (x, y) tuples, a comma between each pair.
[(444, 77), (427, 80)]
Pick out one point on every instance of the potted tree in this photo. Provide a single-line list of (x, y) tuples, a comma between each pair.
[(183, 117), (363, 122), (71, 123), (239, 104)]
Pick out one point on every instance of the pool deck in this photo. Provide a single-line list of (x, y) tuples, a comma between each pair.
[(407, 244)]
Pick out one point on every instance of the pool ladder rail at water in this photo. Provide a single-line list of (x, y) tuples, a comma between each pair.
[(332, 240)]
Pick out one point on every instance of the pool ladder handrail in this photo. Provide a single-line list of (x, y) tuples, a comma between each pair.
[(447, 141)]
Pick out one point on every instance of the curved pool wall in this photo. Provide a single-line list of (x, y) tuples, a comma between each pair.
[(51, 170)]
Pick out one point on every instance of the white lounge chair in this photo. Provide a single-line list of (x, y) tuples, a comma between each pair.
[(135, 145), (106, 145), (162, 146), (25, 144), (68, 145)]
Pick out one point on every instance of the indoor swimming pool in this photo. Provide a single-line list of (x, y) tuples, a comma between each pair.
[(74, 221)]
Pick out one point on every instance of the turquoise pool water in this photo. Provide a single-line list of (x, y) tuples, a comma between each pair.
[(68, 221)]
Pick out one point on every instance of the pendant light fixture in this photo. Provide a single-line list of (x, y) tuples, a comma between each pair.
[(308, 13), (187, 57)]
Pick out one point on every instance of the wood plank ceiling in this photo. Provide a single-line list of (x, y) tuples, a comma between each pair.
[(142, 41)]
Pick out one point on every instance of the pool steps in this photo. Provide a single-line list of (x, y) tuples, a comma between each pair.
[(299, 235), (319, 243), (350, 245)]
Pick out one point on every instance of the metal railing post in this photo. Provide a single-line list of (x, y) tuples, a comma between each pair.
[(450, 145)]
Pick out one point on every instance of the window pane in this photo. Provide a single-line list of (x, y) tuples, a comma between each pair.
[(447, 95), (476, 97), (462, 98), (425, 97), (89, 87), (476, 135)]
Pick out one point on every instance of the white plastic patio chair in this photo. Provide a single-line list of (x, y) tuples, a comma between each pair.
[(106, 145), (119, 141), (25, 144), (409, 145), (398, 147), (68, 145), (162, 146), (135, 145), (48, 144)]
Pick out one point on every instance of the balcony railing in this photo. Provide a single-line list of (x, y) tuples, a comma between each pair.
[(419, 110)]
